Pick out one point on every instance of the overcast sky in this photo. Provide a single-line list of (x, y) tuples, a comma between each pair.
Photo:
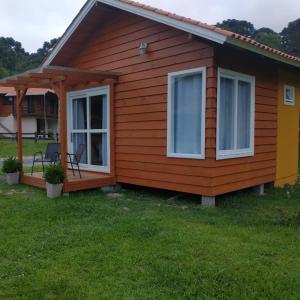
[(34, 21)]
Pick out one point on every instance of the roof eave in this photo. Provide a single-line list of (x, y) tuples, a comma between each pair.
[(235, 42)]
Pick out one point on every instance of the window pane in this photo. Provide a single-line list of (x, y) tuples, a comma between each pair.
[(80, 138), (99, 112), (99, 149), (79, 114), (226, 114), (244, 115), (187, 113)]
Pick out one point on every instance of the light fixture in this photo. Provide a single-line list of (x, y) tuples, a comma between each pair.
[(143, 48)]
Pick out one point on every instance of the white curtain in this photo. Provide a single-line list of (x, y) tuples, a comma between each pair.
[(187, 114), (104, 112), (244, 113), (104, 149), (226, 114), (104, 135), (80, 138), (79, 113)]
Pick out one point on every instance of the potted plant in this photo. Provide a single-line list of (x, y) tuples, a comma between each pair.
[(54, 176), (12, 167)]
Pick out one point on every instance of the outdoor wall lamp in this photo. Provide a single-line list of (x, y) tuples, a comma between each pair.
[(143, 48)]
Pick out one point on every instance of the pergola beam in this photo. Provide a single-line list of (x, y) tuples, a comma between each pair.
[(44, 77)]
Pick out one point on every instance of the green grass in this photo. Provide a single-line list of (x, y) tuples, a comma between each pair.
[(143, 245), (8, 147)]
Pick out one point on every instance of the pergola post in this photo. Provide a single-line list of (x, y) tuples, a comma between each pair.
[(60, 91), (20, 95)]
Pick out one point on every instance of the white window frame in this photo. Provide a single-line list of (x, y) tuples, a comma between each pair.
[(170, 138), (236, 153), (103, 90), (289, 102)]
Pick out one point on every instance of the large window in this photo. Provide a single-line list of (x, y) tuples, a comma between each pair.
[(235, 124), (186, 113)]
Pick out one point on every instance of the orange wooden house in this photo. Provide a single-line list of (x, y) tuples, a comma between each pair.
[(167, 102)]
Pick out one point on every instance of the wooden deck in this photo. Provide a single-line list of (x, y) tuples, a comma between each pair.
[(89, 180)]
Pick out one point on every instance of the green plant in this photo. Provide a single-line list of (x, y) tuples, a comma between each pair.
[(11, 165), (54, 174)]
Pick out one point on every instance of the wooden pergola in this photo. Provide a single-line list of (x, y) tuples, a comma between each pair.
[(61, 80)]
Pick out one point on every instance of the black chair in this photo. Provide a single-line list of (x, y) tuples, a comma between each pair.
[(52, 155), (74, 159)]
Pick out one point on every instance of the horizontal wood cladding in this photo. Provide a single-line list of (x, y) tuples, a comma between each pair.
[(141, 107)]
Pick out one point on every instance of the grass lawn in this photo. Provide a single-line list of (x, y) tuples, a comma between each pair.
[(146, 245), (8, 147)]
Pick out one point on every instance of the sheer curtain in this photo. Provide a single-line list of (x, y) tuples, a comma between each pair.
[(226, 114), (244, 113), (104, 135), (79, 114), (187, 113)]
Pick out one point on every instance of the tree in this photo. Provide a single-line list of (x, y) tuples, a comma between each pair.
[(291, 38), (3, 72), (238, 26), (14, 59), (268, 37), (12, 54)]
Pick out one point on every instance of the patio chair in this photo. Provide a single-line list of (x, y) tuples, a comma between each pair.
[(74, 159), (52, 155)]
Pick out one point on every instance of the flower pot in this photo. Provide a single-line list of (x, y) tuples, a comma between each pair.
[(54, 190), (12, 178)]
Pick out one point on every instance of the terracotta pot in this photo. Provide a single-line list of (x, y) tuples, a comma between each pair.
[(12, 178), (54, 190)]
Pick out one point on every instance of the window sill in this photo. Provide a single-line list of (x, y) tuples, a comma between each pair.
[(186, 156), (231, 155)]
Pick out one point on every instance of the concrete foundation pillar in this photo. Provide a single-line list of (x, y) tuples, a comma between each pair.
[(260, 189), (208, 202)]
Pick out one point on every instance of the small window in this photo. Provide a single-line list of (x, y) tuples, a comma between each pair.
[(186, 113), (8, 100), (235, 109), (289, 95), (30, 105)]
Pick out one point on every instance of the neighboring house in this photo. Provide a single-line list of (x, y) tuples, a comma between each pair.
[(40, 111), (193, 108)]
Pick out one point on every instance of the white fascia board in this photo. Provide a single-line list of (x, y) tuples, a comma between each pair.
[(152, 15)]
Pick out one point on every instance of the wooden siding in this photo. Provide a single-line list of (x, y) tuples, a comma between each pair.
[(141, 107)]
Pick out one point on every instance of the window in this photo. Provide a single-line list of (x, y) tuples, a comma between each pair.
[(89, 125), (8, 100), (30, 105), (235, 115), (186, 113), (289, 95)]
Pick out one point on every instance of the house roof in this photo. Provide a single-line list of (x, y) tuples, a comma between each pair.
[(10, 91), (195, 27)]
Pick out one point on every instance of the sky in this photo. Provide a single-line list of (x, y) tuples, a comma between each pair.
[(32, 22)]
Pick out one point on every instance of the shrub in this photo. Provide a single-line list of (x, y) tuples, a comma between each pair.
[(54, 174), (11, 165)]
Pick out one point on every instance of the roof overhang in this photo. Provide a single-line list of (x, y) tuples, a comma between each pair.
[(262, 51), (46, 76)]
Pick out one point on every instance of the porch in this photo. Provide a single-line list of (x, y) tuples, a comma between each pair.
[(95, 99), (73, 183)]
